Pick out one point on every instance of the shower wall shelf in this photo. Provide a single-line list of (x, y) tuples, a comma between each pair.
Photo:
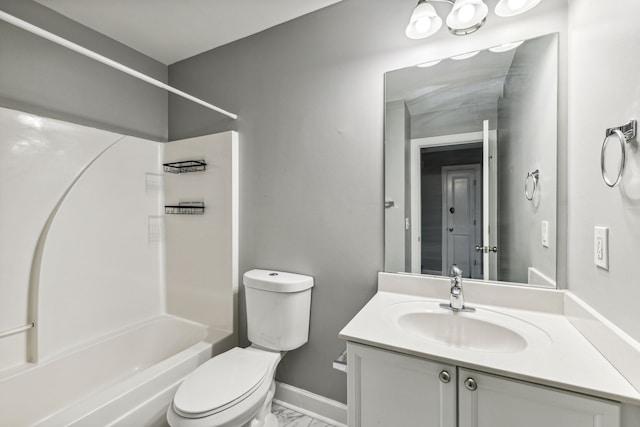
[(185, 166), (185, 208)]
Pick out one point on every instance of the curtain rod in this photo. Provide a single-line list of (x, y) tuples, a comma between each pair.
[(103, 59)]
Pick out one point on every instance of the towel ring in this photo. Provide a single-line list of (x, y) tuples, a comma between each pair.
[(533, 177), (623, 156), (624, 134)]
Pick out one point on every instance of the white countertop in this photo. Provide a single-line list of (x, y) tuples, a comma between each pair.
[(567, 360)]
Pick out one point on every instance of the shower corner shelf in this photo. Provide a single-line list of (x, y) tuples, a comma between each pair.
[(185, 166), (186, 208)]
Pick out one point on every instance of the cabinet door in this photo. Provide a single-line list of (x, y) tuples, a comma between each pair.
[(387, 389), (501, 402)]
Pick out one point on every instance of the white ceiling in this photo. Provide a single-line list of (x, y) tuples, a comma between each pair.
[(450, 84), (173, 30)]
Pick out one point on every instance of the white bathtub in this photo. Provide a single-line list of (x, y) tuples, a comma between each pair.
[(126, 379)]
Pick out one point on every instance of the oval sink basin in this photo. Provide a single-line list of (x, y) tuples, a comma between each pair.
[(483, 330), (462, 331)]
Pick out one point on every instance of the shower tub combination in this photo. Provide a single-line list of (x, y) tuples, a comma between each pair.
[(125, 379)]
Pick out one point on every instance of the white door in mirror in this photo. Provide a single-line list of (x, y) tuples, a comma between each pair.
[(601, 247)]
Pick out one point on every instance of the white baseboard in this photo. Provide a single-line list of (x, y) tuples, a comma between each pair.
[(307, 403)]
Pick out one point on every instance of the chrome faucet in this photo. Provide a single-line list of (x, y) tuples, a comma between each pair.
[(456, 297)]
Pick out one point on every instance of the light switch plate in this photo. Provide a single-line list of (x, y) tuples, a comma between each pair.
[(601, 247), (545, 234)]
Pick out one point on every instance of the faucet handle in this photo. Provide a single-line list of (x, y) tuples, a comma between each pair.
[(455, 271)]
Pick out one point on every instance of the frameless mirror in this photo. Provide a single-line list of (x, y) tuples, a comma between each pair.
[(470, 164)]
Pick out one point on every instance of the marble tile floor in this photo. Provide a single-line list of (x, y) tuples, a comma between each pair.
[(290, 418)]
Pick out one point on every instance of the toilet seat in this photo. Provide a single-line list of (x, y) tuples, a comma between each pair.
[(221, 382), (241, 408)]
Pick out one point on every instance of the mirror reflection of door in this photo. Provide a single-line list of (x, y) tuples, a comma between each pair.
[(429, 239), (440, 166), (490, 227), (461, 219)]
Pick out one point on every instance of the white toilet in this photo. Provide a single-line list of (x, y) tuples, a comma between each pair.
[(235, 388)]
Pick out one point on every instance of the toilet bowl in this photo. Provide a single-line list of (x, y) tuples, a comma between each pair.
[(236, 388), (230, 390)]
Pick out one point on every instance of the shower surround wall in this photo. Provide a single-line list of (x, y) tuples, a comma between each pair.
[(96, 201), (202, 250), (99, 272), (103, 265), (42, 78)]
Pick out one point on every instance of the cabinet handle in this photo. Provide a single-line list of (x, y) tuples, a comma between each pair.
[(470, 384), (445, 377)]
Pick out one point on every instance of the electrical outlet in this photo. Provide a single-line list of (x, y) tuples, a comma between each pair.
[(155, 230), (545, 234), (601, 247)]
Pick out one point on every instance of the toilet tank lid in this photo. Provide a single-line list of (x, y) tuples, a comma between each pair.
[(277, 281)]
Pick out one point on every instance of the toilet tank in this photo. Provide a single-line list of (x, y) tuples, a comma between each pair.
[(278, 308)]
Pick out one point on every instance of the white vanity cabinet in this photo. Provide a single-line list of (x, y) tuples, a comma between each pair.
[(389, 389), (486, 400)]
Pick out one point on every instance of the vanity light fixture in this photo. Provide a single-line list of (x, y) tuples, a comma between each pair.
[(466, 16), (424, 21)]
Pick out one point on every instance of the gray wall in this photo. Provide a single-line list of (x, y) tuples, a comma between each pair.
[(309, 94), (527, 133), (604, 95), (395, 140), (40, 77)]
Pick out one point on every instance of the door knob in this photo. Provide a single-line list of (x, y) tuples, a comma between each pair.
[(444, 376), (487, 249), (452, 209), (450, 228), (470, 384)]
